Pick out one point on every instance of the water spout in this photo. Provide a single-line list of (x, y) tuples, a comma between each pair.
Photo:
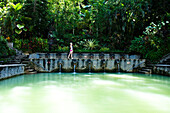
[(89, 68), (118, 67), (60, 68), (74, 69)]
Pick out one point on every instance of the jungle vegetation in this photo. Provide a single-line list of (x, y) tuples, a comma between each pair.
[(131, 26)]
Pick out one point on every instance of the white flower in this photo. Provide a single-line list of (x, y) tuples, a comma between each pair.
[(167, 22)]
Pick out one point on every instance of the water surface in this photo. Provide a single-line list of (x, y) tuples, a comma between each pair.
[(85, 93)]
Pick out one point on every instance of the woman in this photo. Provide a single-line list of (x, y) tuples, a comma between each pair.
[(71, 51)]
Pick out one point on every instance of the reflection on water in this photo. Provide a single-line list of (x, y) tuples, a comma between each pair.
[(85, 93)]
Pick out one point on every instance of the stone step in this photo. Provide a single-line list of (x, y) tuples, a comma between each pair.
[(14, 62), (165, 63), (30, 69), (25, 59), (145, 72), (146, 69), (33, 72), (25, 62)]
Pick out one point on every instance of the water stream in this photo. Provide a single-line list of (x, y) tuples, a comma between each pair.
[(74, 69), (60, 69), (89, 68)]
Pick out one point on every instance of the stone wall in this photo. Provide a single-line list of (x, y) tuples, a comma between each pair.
[(7, 71), (161, 69), (86, 62)]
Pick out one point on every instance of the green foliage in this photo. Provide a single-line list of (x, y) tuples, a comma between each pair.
[(18, 43), (35, 45), (114, 24), (62, 49), (104, 49), (154, 56), (4, 49), (154, 45), (149, 49), (91, 44)]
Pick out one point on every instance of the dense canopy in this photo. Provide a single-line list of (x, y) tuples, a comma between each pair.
[(139, 26)]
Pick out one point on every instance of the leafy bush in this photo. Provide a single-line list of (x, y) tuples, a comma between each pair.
[(104, 49), (18, 43), (36, 44), (62, 49), (91, 44), (152, 49), (4, 49), (138, 45)]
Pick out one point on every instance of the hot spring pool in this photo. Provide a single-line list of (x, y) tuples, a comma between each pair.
[(85, 93)]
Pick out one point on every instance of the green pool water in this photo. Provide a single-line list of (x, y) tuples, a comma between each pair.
[(85, 93)]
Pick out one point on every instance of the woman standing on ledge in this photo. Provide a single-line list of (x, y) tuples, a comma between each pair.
[(71, 51)]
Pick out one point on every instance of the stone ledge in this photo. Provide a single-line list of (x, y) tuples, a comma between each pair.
[(12, 65)]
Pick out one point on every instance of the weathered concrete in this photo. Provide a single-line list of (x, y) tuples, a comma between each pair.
[(161, 69), (7, 71), (81, 65)]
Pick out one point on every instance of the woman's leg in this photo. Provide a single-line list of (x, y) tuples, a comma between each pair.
[(69, 55)]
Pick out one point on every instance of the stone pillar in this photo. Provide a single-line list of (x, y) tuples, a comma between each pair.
[(110, 65), (129, 65), (126, 56), (51, 64), (46, 64), (96, 56), (36, 61), (55, 55), (16, 70), (117, 56), (6, 71), (80, 64), (9, 71), (132, 63), (65, 66), (23, 69), (55, 64), (106, 56), (43, 55), (63, 55), (122, 66), (51, 55), (69, 64), (84, 63), (136, 62), (143, 64), (41, 62), (96, 64)]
